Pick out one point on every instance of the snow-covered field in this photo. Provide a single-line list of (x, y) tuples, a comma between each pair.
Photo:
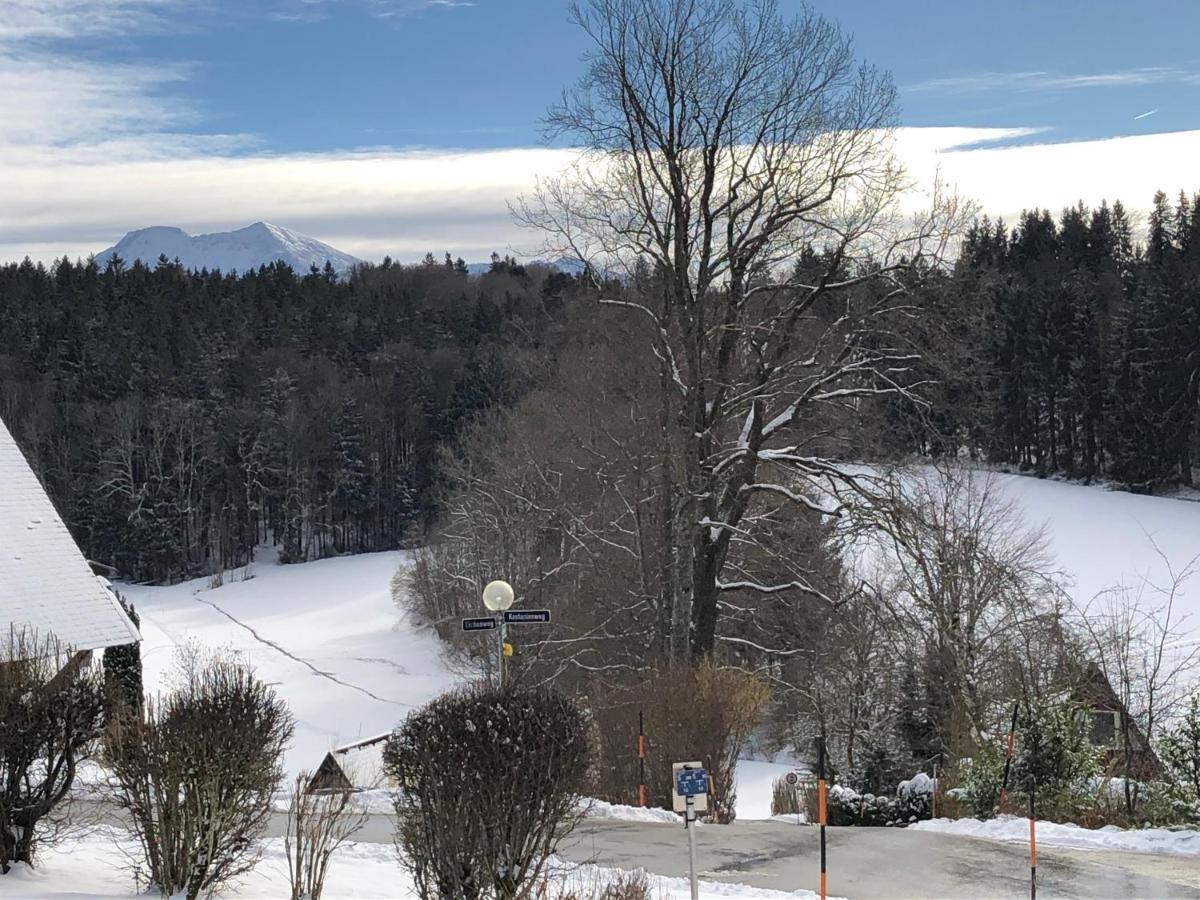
[(1102, 538), (326, 634), (1016, 830)]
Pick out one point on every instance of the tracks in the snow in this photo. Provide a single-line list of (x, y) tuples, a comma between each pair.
[(292, 656)]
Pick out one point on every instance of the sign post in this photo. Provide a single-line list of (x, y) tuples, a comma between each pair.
[(498, 597), (793, 781), (821, 806), (690, 797)]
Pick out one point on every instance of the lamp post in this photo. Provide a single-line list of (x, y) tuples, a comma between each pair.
[(497, 597)]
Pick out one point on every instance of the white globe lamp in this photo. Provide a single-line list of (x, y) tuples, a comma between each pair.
[(498, 596)]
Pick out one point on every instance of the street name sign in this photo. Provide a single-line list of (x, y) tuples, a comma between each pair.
[(527, 617), (481, 623)]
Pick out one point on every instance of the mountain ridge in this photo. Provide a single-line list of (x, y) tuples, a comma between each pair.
[(239, 250)]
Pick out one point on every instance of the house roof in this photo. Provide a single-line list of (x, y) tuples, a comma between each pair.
[(360, 763), (46, 585)]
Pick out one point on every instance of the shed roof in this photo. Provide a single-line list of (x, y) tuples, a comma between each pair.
[(46, 584)]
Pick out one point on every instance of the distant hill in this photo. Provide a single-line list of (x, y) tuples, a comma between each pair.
[(567, 264), (247, 248)]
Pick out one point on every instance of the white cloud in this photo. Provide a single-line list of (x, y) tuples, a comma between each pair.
[(22, 20), (406, 203), (1036, 81), (310, 11)]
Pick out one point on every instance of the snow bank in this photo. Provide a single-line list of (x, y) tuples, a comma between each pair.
[(327, 635), (599, 809), (1049, 834)]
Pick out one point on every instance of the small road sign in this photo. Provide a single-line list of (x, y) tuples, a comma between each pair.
[(699, 798), (690, 782), (527, 616), (482, 623), (792, 778)]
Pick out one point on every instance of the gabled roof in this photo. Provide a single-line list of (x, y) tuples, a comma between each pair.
[(357, 766), (46, 585)]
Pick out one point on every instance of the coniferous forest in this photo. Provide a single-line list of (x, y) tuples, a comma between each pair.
[(1064, 346), (179, 419)]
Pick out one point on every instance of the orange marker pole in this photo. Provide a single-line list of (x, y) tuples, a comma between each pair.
[(641, 760), (1032, 845), (821, 807)]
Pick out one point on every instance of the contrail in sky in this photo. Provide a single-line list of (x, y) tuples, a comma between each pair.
[(1143, 115)]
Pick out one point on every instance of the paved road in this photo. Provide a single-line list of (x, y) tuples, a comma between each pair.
[(864, 863)]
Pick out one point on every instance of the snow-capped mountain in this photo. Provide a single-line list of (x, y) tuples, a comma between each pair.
[(230, 251)]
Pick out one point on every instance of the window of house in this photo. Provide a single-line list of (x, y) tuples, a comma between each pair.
[(1104, 727)]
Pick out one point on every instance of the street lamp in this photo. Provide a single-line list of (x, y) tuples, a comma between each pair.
[(497, 597)]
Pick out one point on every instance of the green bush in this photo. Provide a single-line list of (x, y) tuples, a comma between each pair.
[(980, 779), (1054, 755)]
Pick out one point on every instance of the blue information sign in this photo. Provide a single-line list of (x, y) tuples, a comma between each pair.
[(690, 782)]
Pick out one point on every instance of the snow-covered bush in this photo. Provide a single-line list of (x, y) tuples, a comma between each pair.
[(490, 783), (846, 806), (50, 715), (196, 773)]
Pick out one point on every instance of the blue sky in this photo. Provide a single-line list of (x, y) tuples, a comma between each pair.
[(378, 124), (317, 76)]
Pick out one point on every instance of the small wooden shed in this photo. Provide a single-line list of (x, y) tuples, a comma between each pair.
[(352, 767)]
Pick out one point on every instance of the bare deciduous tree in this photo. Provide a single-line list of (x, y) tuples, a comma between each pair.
[(973, 583), (1139, 636), (51, 712), (736, 173), (318, 823), (196, 773)]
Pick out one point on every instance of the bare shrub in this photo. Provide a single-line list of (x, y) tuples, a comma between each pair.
[(317, 825), (599, 886), (701, 712), (490, 783), (786, 799), (51, 712), (197, 772)]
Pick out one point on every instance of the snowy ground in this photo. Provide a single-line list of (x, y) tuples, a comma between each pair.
[(93, 864), (1102, 538), (330, 639), (1016, 830), (326, 634)]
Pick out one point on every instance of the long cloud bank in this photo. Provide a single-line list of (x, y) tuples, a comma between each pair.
[(76, 200)]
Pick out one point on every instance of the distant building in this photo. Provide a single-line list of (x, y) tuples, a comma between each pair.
[(47, 588), (1112, 728), (352, 767)]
